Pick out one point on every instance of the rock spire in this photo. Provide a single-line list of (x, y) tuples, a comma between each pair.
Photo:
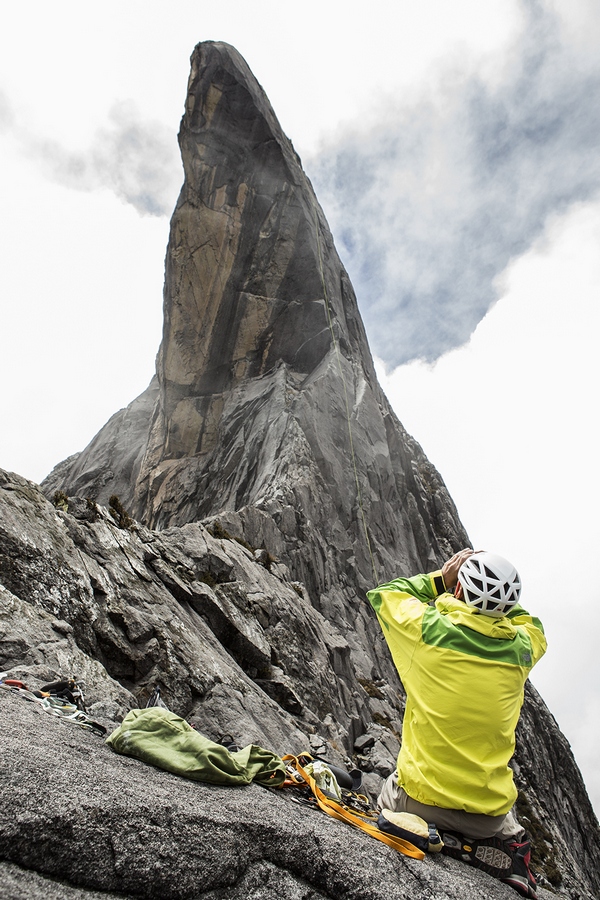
[(265, 396)]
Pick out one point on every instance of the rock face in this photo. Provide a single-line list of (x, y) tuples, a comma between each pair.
[(237, 649), (75, 818), (270, 485)]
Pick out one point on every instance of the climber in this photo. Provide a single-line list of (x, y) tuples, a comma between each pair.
[(463, 648)]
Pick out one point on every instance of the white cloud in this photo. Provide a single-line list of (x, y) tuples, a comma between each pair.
[(138, 160), (82, 314), (6, 113), (432, 198)]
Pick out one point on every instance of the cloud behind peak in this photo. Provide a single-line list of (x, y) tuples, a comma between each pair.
[(431, 200), (135, 159)]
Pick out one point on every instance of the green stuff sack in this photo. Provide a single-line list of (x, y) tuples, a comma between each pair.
[(162, 739)]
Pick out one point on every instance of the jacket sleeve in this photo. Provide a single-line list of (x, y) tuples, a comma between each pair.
[(400, 606), (534, 628), (421, 587)]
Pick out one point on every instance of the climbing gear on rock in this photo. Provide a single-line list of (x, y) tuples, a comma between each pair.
[(68, 689), (352, 808), (56, 706), (490, 583), (324, 779), (411, 828), (350, 780), (227, 741), (303, 793), (154, 699), (14, 682), (53, 699)]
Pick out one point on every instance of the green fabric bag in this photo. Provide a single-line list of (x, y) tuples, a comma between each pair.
[(159, 737)]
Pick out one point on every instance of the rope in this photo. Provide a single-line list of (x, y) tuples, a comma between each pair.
[(343, 380)]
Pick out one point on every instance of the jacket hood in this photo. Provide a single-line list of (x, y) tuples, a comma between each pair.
[(461, 614)]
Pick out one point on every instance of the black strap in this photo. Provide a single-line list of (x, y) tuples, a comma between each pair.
[(439, 584)]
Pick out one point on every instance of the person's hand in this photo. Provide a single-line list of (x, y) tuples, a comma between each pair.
[(451, 567)]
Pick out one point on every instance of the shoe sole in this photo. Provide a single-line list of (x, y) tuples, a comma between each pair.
[(491, 859)]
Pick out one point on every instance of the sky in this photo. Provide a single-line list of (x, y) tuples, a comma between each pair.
[(453, 147)]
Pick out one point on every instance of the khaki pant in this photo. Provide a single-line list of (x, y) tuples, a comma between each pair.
[(471, 825)]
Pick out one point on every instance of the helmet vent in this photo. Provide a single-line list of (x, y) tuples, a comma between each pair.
[(490, 583)]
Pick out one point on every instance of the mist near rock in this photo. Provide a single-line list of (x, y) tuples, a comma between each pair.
[(134, 158)]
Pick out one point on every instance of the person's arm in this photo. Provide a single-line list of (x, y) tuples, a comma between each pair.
[(419, 587), (422, 587), (401, 604)]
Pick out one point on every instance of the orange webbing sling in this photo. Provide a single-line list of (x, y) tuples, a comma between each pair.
[(338, 810)]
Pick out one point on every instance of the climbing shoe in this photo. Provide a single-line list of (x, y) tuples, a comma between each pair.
[(491, 855), (521, 878)]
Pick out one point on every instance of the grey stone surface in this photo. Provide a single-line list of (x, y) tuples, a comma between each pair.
[(77, 819), (141, 612), (236, 649), (266, 422)]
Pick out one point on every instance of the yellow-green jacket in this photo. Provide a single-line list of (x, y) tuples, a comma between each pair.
[(464, 675)]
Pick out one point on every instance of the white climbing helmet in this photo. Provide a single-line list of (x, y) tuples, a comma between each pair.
[(490, 583)]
